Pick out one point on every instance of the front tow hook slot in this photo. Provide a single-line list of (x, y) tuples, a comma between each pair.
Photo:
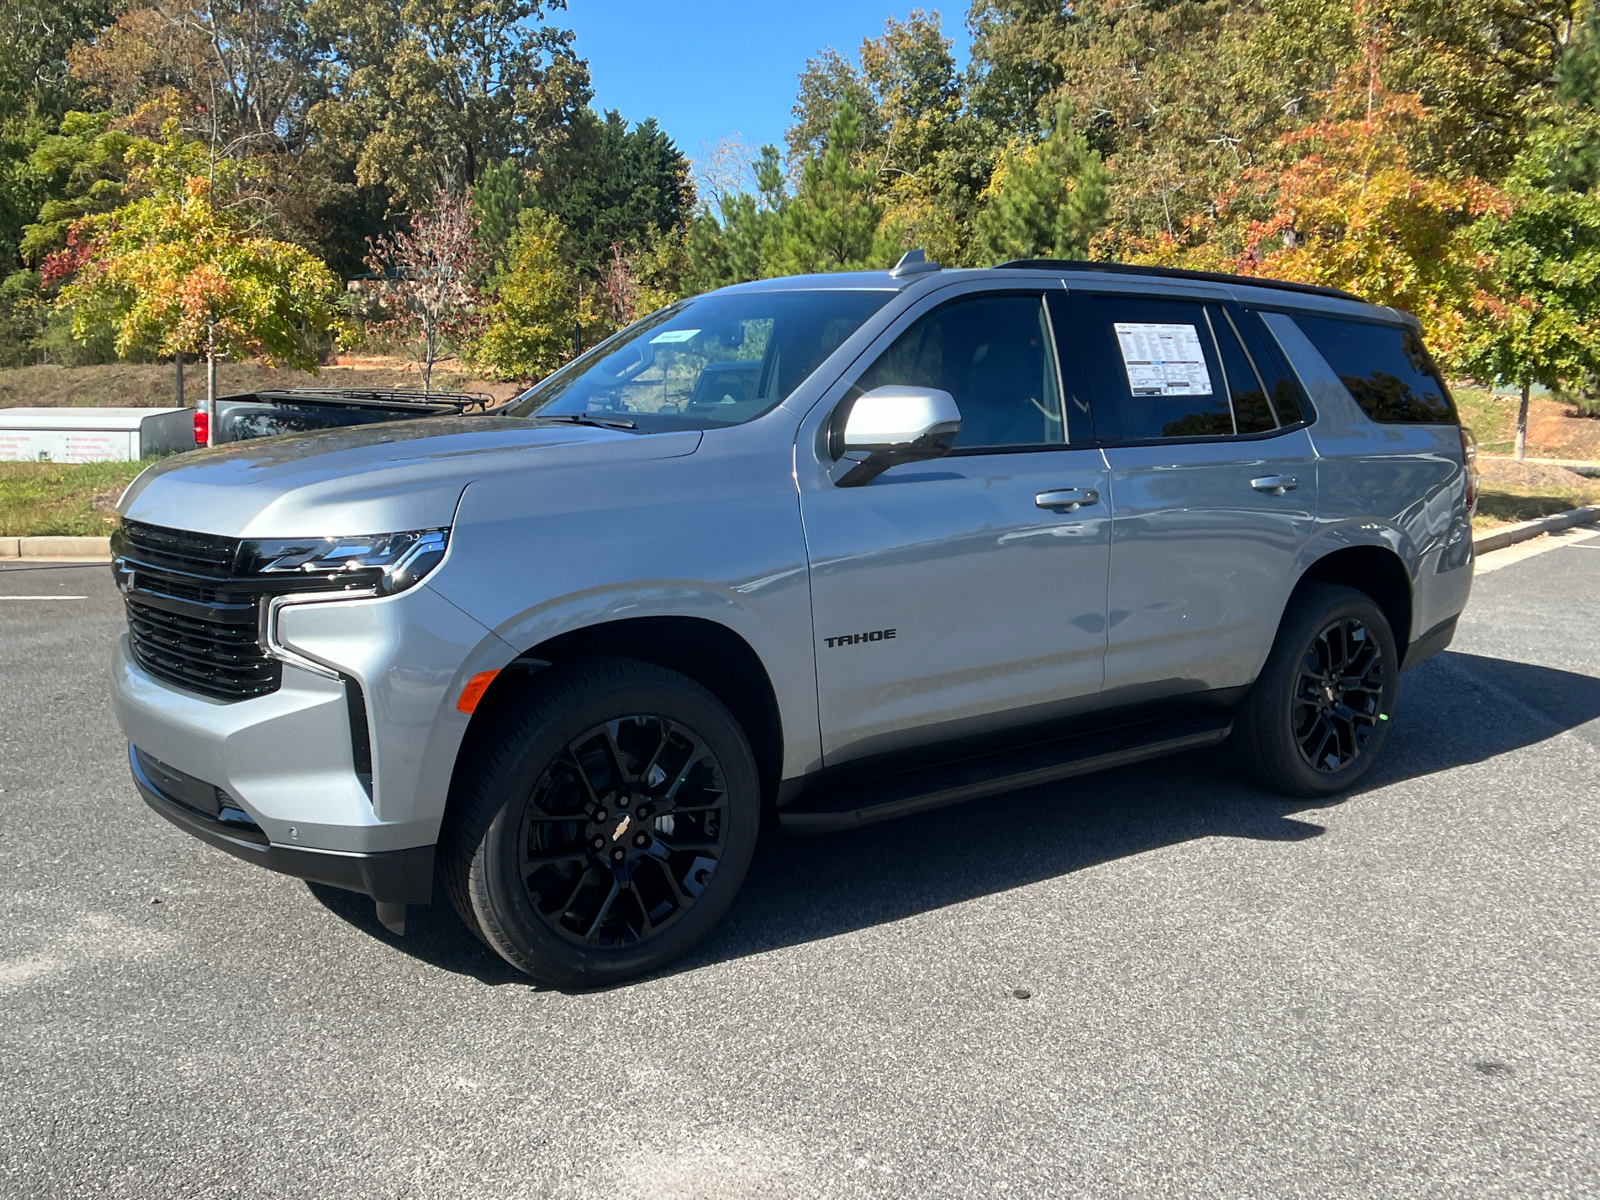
[(1067, 499)]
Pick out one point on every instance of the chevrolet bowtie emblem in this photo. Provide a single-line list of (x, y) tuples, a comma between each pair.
[(622, 828)]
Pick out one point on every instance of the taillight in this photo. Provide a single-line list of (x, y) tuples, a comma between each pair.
[(1469, 456), (202, 427)]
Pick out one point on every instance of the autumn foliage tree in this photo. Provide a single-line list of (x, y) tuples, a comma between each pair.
[(174, 273), (431, 279), (1343, 205)]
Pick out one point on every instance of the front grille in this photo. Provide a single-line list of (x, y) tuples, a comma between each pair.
[(192, 623), (221, 659)]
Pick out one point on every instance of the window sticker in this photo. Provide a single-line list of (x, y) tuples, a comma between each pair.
[(686, 335), (1163, 360)]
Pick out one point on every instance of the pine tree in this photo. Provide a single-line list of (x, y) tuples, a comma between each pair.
[(1048, 201), (832, 222)]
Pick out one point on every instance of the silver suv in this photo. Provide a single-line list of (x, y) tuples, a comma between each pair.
[(808, 552)]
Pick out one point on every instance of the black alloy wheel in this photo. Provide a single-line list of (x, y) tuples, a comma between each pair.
[(601, 822), (624, 831), (1316, 717), (1339, 698)]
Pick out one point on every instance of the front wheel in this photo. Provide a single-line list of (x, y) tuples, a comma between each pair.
[(1316, 718), (608, 826)]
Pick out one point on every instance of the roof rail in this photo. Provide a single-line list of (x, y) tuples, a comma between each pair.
[(1079, 264)]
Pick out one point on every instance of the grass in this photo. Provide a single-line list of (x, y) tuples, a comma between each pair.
[(62, 498), (1503, 503), (1492, 421)]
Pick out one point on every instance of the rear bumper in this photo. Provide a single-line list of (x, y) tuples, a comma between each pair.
[(388, 876), (1430, 643)]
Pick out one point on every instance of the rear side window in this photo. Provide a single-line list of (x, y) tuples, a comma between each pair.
[(1384, 367)]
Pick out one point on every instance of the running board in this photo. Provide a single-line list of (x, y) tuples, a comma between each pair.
[(882, 797)]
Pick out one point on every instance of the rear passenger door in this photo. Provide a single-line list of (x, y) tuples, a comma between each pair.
[(1213, 488)]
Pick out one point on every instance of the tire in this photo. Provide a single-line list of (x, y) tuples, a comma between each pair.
[(612, 891), (1299, 737)]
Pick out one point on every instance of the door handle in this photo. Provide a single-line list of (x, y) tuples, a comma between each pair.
[(1277, 485), (1067, 499)]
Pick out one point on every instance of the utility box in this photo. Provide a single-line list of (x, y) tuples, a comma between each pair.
[(78, 435)]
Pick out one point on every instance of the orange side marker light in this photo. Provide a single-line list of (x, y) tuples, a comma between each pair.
[(473, 692)]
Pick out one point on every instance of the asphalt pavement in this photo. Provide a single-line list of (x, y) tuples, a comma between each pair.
[(1227, 994)]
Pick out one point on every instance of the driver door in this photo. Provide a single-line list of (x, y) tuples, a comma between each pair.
[(946, 601)]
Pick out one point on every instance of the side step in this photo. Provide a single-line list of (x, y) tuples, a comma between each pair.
[(882, 797)]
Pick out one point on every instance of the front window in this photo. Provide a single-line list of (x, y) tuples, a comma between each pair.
[(706, 362)]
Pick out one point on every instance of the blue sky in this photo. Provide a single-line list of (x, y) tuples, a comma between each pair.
[(709, 68)]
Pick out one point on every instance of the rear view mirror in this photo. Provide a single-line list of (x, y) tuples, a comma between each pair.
[(895, 424)]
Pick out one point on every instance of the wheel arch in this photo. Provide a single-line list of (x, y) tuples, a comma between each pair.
[(708, 652), (1380, 573)]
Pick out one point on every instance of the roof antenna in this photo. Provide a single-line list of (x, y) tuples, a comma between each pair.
[(912, 262)]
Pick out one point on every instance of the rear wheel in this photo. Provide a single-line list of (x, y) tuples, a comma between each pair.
[(608, 828), (1316, 718)]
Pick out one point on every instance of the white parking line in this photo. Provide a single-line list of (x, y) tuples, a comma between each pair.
[(1581, 536), (43, 597)]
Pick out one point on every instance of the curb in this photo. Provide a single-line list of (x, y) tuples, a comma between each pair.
[(1510, 535), (72, 549)]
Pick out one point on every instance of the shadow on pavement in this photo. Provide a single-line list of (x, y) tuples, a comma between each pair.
[(1453, 711)]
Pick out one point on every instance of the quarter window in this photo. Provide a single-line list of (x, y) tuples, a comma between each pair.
[(993, 354), (1384, 367)]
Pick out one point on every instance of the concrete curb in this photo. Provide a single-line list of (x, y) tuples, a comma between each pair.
[(68, 549), (1510, 535)]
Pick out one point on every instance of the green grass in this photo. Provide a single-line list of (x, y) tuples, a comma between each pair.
[(1502, 504), (1493, 421), (59, 498)]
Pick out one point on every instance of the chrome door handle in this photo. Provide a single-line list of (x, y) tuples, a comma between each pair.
[(1067, 499), (1275, 484)]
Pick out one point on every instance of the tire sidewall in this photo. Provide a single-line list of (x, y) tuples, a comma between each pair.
[(1327, 605), (523, 936)]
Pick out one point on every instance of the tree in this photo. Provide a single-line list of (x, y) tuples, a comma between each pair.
[(430, 279), (173, 273), (1047, 200), (610, 185), (497, 200), (737, 243), (535, 305), (1343, 206), (832, 222), (427, 94), (1540, 314)]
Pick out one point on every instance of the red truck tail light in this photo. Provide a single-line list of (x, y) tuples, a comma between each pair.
[(202, 427)]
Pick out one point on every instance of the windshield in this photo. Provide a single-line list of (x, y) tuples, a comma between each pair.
[(710, 361)]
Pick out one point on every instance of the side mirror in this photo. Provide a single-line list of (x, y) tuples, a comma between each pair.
[(895, 424)]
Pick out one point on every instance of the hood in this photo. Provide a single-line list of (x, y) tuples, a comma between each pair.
[(369, 478)]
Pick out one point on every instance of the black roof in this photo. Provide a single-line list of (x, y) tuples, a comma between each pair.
[(1078, 264)]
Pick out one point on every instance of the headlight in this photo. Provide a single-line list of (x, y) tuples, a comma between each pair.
[(386, 562)]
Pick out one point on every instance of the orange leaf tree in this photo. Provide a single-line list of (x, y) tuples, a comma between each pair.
[(1345, 207)]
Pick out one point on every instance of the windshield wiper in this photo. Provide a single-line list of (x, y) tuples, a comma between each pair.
[(589, 419)]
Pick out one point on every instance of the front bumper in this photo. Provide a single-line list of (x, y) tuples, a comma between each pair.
[(389, 877), (289, 759)]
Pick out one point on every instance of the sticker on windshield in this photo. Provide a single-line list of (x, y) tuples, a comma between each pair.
[(1163, 360), (684, 335)]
